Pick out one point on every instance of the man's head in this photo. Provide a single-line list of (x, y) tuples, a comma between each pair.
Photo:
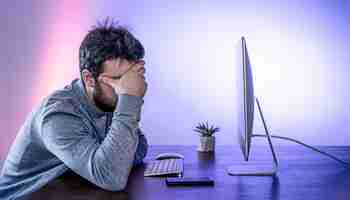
[(109, 50)]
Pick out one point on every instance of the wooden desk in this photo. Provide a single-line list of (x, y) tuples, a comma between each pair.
[(303, 174)]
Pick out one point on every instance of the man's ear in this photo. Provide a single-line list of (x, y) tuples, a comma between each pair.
[(88, 78)]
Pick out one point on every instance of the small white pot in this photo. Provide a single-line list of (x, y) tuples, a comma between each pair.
[(207, 144)]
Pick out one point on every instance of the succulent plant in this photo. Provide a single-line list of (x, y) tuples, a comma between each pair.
[(206, 130)]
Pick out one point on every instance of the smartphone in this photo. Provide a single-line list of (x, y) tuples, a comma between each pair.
[(189, 181)]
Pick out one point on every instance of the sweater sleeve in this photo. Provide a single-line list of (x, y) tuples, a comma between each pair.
[(141, 150), (106, 165)]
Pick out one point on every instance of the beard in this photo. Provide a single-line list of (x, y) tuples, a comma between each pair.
[(101, 100)]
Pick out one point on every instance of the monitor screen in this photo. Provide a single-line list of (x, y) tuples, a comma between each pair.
[(244, 97)]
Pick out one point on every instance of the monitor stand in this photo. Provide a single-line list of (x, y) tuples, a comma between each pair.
[(257, 169), (266, 170)]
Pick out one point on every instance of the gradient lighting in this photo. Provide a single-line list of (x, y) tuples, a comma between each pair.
[(299, 52), (293, 52), (59, 51)]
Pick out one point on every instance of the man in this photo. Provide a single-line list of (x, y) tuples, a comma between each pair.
[(91, 126)]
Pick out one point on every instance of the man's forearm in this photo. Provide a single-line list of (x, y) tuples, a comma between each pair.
[(120, 145)]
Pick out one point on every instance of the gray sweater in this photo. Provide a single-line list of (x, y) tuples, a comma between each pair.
[(66, 132)]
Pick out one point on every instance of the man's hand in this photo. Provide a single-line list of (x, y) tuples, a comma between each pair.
[(131, 83)]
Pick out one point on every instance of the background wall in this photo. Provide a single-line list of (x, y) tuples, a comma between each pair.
[(299, 51)]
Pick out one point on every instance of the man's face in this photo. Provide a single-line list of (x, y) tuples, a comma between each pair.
[(103, 94)]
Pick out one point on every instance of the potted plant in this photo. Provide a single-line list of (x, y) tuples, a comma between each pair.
[(207, 137)]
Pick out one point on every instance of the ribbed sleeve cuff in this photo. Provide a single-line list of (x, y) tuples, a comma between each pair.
[(130, 105)]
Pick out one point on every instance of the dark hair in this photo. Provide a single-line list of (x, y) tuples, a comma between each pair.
[(107, 41)]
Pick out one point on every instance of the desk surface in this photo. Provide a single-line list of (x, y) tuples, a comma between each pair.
[(303, 174)]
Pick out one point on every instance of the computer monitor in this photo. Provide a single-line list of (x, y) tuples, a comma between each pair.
[(244, 97), (245, 101)]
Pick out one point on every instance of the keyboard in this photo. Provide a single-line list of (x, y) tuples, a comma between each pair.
[(166, 167)]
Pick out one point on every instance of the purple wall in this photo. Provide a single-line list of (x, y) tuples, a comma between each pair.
[(299, 52)]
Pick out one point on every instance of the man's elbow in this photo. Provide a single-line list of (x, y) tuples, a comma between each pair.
[(116, 186)]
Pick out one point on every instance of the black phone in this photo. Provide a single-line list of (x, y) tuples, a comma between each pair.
[(189, 181)]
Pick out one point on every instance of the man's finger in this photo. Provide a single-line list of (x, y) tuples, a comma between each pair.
[(142, 70), (101, 78), (138, 65), (141, 62), (107, 80)]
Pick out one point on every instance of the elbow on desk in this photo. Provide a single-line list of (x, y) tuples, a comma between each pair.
[(112, 182), (116, 186)]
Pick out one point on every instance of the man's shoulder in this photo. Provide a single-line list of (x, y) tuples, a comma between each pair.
[(63, 100)]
